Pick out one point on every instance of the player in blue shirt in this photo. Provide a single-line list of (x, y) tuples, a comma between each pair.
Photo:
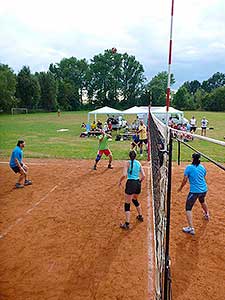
[(18, 166), (132, 171), (195, 173)]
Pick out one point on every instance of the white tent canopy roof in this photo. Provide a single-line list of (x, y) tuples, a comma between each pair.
[(105, 110), (136, 110)]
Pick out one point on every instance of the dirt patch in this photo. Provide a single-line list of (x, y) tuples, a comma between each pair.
[(61, 238), (198, 261)]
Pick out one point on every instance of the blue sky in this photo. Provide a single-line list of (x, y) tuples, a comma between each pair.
[(37, 33)]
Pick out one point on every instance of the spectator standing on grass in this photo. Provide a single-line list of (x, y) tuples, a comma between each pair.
[(204, 124), (193, 123), (18, 166), (195, 173), (142, 130), (132, 170), (103, 149)]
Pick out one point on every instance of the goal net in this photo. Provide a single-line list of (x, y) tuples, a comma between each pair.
[(18, 110)]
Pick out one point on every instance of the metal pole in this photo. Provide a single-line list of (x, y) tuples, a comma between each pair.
[(149, 145), (167, 258), (169, 66), (178, 152)]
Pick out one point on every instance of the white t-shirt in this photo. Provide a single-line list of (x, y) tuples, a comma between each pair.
[(204, 123), (193, 122)]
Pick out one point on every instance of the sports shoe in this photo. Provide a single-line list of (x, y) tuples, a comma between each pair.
[(206, 216), (140, 218), (110, 167), (94, 168), (125, 226), (19, 186), (27, 182), (189, 230)]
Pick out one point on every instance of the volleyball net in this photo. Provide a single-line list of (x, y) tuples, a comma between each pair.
[(161, 139), (159, 184)]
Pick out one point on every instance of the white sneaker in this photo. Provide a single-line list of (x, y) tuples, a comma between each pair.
[(189, 230)]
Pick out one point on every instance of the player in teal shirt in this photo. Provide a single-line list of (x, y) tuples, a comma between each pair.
[(135, 175), (195, 173)]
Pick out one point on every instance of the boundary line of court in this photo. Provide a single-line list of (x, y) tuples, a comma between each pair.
[(150, 238), (28, 211)]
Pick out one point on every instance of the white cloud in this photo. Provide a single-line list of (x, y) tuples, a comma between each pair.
[(36, 33)]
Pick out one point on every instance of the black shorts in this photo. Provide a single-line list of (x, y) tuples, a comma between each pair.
[(204, 128), (193, 128), (133, 187), (15, 169), (143, 142), (192, 197)]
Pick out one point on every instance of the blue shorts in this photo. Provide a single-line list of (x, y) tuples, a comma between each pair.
[(192, 197)]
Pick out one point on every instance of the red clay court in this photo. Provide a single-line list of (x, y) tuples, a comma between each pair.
[(60, 237)]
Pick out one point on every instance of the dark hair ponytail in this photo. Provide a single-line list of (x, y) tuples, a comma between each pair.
[(196, 159), (132, 155), (20, 142)]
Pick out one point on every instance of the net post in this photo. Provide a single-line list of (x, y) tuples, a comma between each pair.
[(149, 109), (167, 258), (178, 152)]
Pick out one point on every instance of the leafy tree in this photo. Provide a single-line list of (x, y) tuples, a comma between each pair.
[(7, 88), (105, 76), (73, 73), (68, 99), (28, 89), (181, 99), (215, 101), (48, 87), (217, 80), (198, 98), (157, 87), (192, 86), (115, 79), (132, 80)]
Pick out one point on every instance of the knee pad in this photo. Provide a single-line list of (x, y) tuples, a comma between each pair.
[(127, 206), (136, 203), (98, 158)]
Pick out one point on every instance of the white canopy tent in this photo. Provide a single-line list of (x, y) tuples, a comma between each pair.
[(104, 111), (158, 111)]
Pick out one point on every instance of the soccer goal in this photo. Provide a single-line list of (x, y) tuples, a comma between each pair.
[(18, 110)]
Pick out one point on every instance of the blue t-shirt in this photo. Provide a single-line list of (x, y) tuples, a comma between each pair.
[(196, 176), (135, 171), (17, 153)]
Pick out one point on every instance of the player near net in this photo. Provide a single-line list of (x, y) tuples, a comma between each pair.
[(135, 175), (103, 149), (195, 173)]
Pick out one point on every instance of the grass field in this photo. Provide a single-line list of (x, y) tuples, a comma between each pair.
[(42, 139)]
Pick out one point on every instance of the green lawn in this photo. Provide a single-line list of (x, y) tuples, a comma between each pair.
[(42, 139)]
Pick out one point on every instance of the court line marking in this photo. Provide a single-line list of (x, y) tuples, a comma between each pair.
[(30, 163), (27, 212)]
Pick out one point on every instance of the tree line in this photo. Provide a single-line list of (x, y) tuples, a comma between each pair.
[(111, 79)]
